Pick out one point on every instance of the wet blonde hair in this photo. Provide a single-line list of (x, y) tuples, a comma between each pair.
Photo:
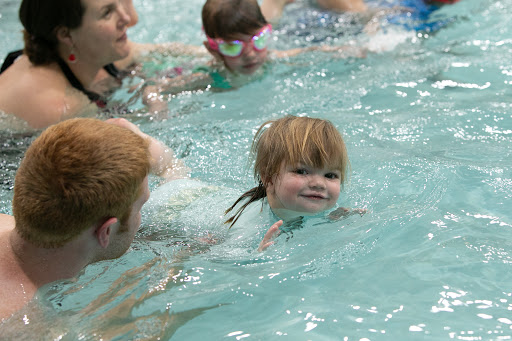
[(292, 140)]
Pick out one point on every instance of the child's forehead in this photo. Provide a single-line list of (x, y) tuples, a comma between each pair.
[(287, 164)]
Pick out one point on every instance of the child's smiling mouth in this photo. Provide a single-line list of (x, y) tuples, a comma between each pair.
[(314, 196)]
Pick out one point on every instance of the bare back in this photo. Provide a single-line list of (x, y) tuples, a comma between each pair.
[(40, 95)]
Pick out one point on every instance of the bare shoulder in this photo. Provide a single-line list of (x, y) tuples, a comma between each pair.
[(15, 288), (6, 222), (40, 95)]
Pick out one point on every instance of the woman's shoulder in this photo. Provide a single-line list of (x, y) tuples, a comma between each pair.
[(25, 77), (39, 95)]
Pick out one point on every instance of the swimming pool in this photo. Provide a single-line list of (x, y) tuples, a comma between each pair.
[(428, 128)]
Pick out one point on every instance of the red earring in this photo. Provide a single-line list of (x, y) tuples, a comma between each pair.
[(72, 57)]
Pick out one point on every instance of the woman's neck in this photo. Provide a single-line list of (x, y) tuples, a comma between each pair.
[(83, 69), (84, 72)]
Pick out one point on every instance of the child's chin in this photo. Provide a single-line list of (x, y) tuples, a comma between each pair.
[(249, 70)]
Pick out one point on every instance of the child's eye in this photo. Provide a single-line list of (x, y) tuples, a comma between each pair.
[(331, 176), (301, 171)]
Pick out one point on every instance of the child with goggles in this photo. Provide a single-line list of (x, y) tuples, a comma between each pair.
[(237, 35), (235, 48)]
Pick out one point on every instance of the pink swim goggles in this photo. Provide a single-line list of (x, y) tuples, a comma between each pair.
[(234, 48)]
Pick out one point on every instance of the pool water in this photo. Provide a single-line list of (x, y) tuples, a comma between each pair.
[(428, 127)]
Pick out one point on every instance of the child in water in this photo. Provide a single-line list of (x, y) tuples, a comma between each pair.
[(300, 165), (237, 35)]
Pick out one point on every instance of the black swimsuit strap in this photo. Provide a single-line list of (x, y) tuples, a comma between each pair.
[(10, 58), (112, 70), (93, 97)]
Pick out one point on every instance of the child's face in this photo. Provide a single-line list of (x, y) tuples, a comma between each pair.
[(250, 59), (304, 189)]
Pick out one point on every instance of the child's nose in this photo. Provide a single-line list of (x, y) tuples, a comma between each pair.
[(317, 181), (249, 50)]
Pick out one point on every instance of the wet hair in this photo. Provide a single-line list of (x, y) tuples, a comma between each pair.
[(41, 19), (292, 140), (76, 174), (227, 18)]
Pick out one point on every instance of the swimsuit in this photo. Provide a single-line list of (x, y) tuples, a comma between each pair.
[(317, 25), (112, 70), (93, 97), (10, 59), (219, 81), (418, 18)]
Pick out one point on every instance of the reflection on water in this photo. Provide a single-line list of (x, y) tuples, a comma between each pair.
[(13, 146), (428, 130)]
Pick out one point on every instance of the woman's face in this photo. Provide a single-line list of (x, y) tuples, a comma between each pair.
[(101, 39), (130, 9)]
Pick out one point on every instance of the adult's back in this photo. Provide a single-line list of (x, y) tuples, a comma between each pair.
[(66, 43)]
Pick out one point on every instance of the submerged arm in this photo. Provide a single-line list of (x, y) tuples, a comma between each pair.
[(153, 94), (344, 51), (138, 51), (343, 212)]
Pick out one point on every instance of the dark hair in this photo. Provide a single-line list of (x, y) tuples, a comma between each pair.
[(292, 140), (226, 18), (41, 19)]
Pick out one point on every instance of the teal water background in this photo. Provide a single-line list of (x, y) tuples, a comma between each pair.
[(428, 126)]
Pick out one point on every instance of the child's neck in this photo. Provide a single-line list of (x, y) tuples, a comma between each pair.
[(287, 215)]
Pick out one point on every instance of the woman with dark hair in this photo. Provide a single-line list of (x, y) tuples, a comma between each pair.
[(67, 42)]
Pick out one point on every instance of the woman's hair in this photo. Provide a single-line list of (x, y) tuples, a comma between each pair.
[(292, 140), (41, 19), (74, 175), (227, 18)]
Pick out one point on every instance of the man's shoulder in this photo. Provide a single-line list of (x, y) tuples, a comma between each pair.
[(6, 222), (15, 288)]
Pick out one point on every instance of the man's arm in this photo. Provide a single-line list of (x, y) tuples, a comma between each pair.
[(273, 9), (343, 5), (162, 159)]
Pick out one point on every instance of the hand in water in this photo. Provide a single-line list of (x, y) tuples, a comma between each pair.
[(272, 232)]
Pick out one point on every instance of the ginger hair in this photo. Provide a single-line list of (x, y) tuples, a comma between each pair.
[(76, 174)]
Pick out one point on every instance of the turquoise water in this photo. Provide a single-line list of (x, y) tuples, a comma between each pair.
[(428, 127)]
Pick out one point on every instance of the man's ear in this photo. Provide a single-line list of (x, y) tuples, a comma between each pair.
[(213, 52), (64, 36), (104, 230)]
